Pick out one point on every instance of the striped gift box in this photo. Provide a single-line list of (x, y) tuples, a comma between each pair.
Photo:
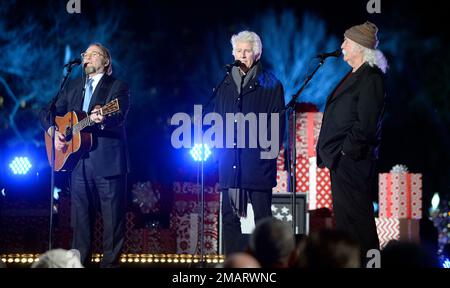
[(397, 229)]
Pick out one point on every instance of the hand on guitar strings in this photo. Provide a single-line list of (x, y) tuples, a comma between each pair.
[(60, 141)]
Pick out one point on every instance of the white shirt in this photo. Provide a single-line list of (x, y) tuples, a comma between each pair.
[(95, 79)]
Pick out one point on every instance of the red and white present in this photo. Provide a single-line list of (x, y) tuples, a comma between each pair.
[(185, 217), (282, 182), (400, 195), (281, 160), (309, 178), (314, 181), (397, 229), (307, 133), (188, 234)]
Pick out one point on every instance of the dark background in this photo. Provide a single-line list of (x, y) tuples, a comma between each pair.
[(172, 54)]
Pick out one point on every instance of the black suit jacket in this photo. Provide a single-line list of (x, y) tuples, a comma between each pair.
[(263, 94), (352, 119), (109, 151)]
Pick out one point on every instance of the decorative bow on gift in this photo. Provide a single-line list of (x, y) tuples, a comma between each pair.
[(399, 169)]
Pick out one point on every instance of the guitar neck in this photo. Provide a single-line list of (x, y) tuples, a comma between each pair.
[(86, 122), (109, 108)]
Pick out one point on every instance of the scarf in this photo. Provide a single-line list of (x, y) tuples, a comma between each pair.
[(241, 80), (239, 200)]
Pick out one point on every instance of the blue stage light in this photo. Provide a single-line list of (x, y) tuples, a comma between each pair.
[(20, 165), (56, 192), (375, 207), (197, 152), (446, 263)]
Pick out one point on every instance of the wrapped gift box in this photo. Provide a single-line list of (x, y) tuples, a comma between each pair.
[(307, 133), (282, 182), (185, 218), (400, 195), (187, 228), (309, 178), (315, 182), (281, 160), (397, 229)]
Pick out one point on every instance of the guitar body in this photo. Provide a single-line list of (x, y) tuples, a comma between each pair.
[(77, 143)]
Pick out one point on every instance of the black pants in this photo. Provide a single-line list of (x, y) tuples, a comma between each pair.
[(352, 184), (87, 190), (233, 241)]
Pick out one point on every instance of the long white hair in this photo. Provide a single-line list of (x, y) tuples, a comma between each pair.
[(373, 57)]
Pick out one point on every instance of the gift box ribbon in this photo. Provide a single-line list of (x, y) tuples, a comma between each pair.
[(389, 196)]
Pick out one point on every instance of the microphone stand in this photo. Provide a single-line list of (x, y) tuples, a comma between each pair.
[(202, 188), (51, 113), (290, 108)]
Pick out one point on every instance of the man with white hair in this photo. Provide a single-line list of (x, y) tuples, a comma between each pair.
[(243, 174), (350, 135)]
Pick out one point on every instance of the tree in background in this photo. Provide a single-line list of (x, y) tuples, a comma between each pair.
[(34, 49), (288, 49)]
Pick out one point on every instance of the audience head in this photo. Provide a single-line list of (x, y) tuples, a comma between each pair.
[(59, 258), (241, 260), (272, 243), (328, 249)]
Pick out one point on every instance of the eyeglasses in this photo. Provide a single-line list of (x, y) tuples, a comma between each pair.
[(94, 54)]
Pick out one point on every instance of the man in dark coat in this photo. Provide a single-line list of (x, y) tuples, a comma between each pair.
[(104, 168), (350, 135), (247, 167)]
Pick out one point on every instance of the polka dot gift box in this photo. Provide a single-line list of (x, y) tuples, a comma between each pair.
[(400, 194)]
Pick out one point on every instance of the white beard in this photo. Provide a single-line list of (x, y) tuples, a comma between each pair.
[(89, 70)]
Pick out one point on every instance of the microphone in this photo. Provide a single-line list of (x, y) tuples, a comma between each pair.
[(236, 63), (336, 53), (76, 61)]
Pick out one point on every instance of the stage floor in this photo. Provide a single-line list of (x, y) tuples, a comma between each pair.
[(24, 260)]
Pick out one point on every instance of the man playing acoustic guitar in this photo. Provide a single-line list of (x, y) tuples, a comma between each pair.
[(99, 176)]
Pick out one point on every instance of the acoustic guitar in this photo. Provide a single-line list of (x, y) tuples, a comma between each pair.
[(78, 141)]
